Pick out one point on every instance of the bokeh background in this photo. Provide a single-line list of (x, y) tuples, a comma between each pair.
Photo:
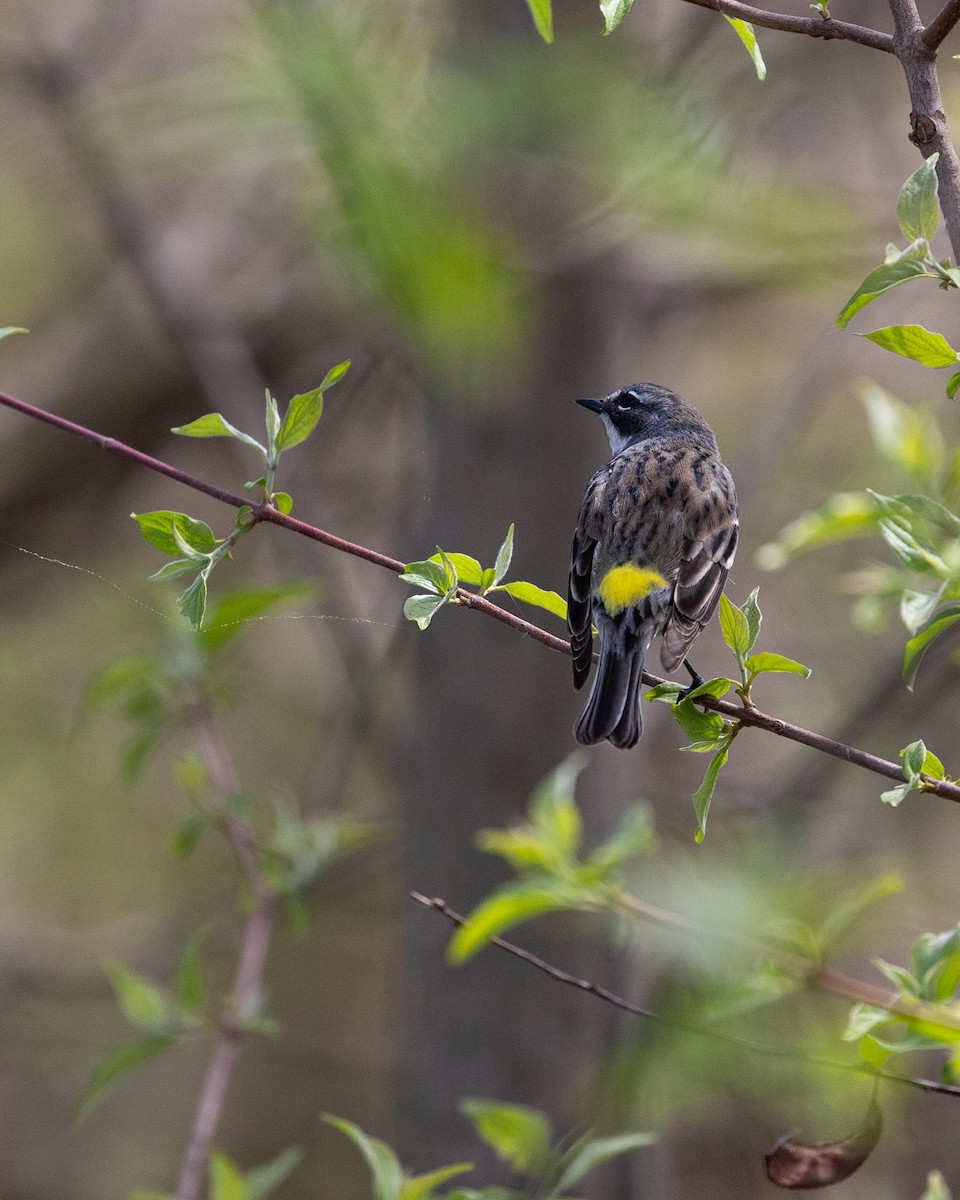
[(202, 199)]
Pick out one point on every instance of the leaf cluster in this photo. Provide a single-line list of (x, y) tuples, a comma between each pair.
[(520, 1136), (442, 574), (228, 1182)]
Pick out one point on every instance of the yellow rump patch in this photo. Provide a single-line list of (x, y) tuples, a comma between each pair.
[(626, 585)]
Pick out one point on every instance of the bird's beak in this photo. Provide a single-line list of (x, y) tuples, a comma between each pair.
[(594, 405)]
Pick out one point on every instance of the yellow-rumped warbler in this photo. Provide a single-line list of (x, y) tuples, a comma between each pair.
[(655, 539)]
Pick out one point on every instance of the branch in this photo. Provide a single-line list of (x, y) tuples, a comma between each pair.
[(602, 993), (265, 512), (941, 24), (818, 27)]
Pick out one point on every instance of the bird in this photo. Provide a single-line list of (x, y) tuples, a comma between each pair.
[(655, 539)]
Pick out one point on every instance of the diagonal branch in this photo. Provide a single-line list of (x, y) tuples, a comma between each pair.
[(941, 24), (602, 993), (819, 27), (265, 512)]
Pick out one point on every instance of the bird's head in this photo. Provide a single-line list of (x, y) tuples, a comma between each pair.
[(640, 411)]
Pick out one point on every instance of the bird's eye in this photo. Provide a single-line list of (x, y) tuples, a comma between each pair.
[(628, 402)]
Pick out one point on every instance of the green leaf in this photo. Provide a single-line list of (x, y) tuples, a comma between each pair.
[(917, 209), (261, 1181), (843, 516), (553, 810), (542, 13), (745, 33), (273, 426), (190, 992), (597, 1151), (192, 601), (173, 570), (613, 13), (714, 688), (215, 425), (120, 1061), (916, 608), (228, 616), (909, 437), (912, 757), (384, 1166), (917, 343), (895, 795), (335, 374), (520, 1136), (913, 550), (226, 1181), (423, 608), (509, 906), (301, 418), (504, 557), (862, 1020), (632, 837), (186, 835), (936, 1188), (467, 569), (428, 573), (668, 691), (759, 664), (751, 610), (423, 1187), (283, 502), (881, 280), (162, 529), (952, 385), (700, 727), (704, 793), (917, 647), (736, 629), (529, 593), (145, 1005), (7, 330)]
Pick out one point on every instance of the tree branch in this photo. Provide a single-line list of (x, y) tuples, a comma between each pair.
[(602, 993), (942, 24), (744, 715), (817, 26)]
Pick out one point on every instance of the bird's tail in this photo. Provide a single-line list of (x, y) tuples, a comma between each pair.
[(612, 711)]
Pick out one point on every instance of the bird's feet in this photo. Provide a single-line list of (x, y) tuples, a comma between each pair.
[(696, 680)]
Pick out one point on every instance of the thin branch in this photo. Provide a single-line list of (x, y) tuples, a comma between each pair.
[(819, 27), (941, 25), (744, 715), (602, 993)]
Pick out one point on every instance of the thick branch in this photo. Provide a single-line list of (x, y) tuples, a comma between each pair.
[(602, 993), (746, 716), (941, 24), (818, 27)]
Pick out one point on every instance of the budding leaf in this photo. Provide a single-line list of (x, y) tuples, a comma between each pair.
[(745, 33), (215, 425), (913, 341), (542, 13), (917, 209)]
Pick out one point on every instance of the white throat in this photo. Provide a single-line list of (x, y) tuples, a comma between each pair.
[(618, 441)]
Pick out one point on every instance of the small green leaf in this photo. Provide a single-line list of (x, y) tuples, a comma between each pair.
[(144, 1005), (895, 795), (172, 570), (273, 425), (917, 343), (881, 280), (596, 1151), (553, 810), (613, 13), (192, 601), (716, 689), (162, 529), (384, 1166), (952, 385), (283, 502), (542, 13), (301, 418), (913, 550), (423, 608), (230, 613), (487, 579), (702, 728), (736, 630), (520, 1136), (529, 593), (917, 209), (843, 516), (917, 647), (504, 557), (423, 1187), (226, 1181), (190, 992), (667, 691), (467, 569), (125, 1058), (632, 837), (509, 906), (186, 835), (215, 425), (428, 573), (909, 437), (759, 664), (7, 330), (261, 1181), (751, 610), (916, 608), (704, 793), (745, 33), (912, 757), (334, 375)]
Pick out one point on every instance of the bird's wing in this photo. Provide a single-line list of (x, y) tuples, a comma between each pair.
[(579, 599), (705, 560)]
